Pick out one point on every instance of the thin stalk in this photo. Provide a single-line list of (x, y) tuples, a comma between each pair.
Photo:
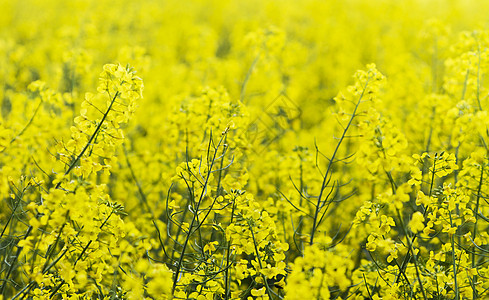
[(454, 264), (259, 262), (12, 263), (194, 218), (10, 217), (144, 200), (410, 244), (53, 293), (407, 258), (227, 288), (247, 78), (330, 164), (474, 233), (25, 127), (99, 126)]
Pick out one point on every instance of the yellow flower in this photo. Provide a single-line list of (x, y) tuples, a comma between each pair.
[(416, 223), (211, 247)]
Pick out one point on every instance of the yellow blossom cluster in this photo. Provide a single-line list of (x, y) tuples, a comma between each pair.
[(217, 150)]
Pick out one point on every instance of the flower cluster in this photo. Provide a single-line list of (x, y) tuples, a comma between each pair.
[(255, 166)]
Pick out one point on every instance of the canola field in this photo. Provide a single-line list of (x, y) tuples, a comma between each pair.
[(251, 149)]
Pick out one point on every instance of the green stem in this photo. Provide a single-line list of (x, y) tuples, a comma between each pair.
[(454, 265), (474, 233), (99, 126), (194, 218), (330, 164)]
